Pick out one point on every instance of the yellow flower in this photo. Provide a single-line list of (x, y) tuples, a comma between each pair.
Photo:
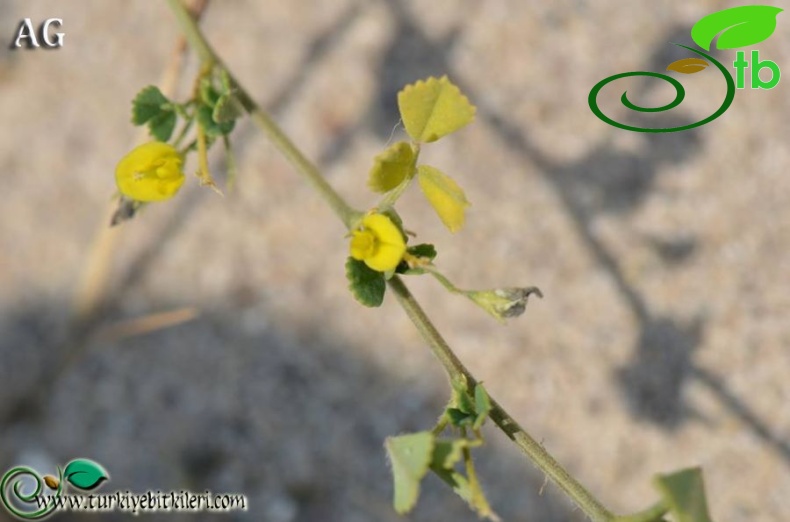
[(150, 172), (379, 243)]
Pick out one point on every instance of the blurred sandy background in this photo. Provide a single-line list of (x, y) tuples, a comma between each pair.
[(662, 341)]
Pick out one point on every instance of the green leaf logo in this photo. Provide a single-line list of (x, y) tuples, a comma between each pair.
[(737, 27), (85, 474)]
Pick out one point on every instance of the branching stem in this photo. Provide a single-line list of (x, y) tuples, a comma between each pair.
[(452, 365)]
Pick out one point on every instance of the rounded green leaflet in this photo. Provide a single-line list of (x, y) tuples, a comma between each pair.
[(367, 285), (444, 195), (85, 474), (737, 26), (148, 104), (433, 108), (391, 167)]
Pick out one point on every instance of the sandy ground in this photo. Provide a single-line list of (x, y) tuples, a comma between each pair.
[(662, 341)]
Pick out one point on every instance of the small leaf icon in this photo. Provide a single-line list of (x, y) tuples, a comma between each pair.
[(688, 65), (737, 26), (433, 108), (85, 474)]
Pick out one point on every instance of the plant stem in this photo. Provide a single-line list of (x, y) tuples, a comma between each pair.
[(452, 365), (529, 446), (304, 166)]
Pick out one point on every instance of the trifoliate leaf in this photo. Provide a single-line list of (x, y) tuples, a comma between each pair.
[(410, 456), (433, 108), (85, 474), (205, 117), (482, 406), (162, 125), (366, 284), (688, 65), (684, 493), (444, 195), (149, 103), (738, 26), (227, 109), (391, 167)]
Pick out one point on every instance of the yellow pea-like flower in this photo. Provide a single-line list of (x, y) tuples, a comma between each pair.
[(150, 172), (378, 242)]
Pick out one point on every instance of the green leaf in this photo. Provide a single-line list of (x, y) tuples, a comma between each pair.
[(410, 456), (208, 94), (366, 284), (738, 26), (684, 493), (205, 117), (455, 480), (148, 104), (482, 406), (463, 401), (424, 250), (227, 109), (425, 253), (391, 167), (447, 453), (467, 489), (433, 108), (85, 474), (459, 418), (161, 126), (444, 195)]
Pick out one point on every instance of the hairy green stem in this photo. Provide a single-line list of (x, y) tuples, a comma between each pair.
[(452, 365), (529, 446)]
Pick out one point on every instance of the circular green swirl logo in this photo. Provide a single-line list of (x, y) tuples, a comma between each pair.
[(680, 94)]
